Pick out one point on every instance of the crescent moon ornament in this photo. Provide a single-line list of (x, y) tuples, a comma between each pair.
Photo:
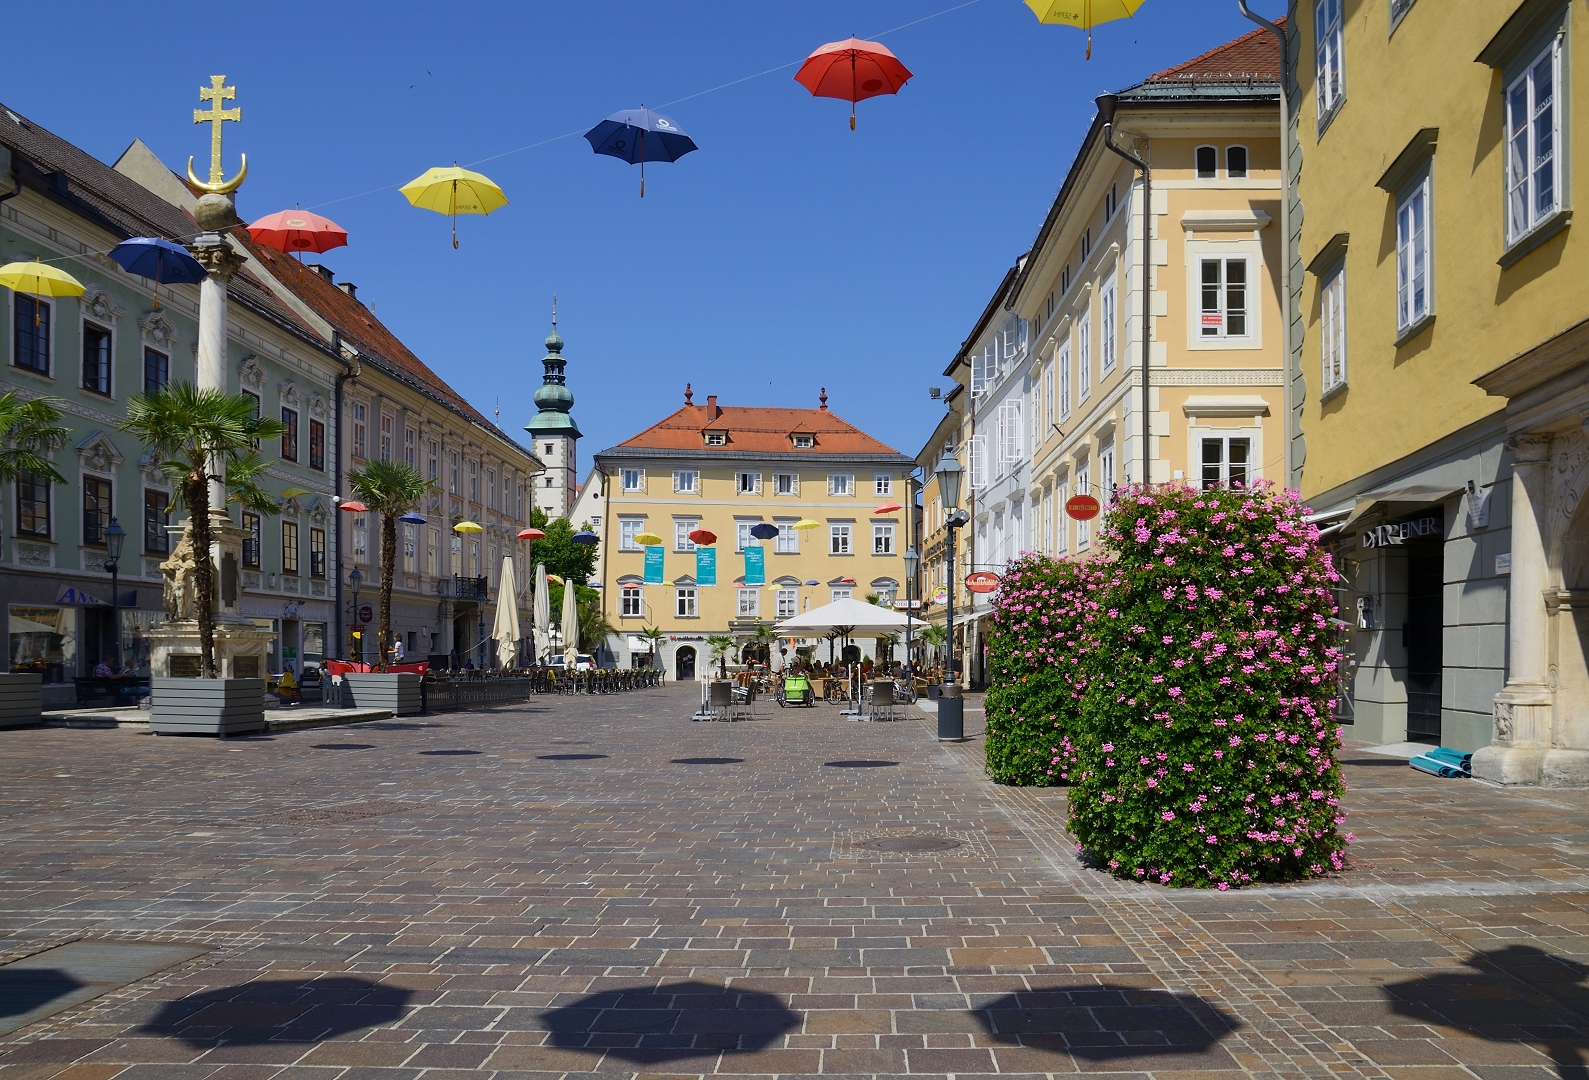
[(223, 188)]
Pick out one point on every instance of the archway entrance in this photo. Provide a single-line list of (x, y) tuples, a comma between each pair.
[(684, 664)]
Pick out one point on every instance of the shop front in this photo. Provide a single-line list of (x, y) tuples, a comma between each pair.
[(64, 629)]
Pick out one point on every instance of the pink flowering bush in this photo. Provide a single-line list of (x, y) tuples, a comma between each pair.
[(1038, 651), (1206, 747)]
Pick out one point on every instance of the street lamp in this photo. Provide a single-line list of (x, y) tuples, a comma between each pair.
[(912, 564), (355, 579), (115, 537), (951, 706)]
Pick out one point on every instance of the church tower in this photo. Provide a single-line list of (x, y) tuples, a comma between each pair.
[(553, 432)]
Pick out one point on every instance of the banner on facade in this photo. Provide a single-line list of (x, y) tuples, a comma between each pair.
[(755, 566), (706, 566), (654, 565)]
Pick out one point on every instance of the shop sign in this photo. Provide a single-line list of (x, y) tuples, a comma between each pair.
[(983, 581), (912, 605), (1396, 535), (940, 594), (76, 596), (366, 613), (1082, 507)]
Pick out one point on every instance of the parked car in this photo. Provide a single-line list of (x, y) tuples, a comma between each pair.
[(582, 662)]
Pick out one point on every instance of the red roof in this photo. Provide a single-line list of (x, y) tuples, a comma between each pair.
[(757, 430), (1255, 56)]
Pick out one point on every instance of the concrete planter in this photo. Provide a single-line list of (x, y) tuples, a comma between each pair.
[(206, 706), (397, 691), (21, 700)]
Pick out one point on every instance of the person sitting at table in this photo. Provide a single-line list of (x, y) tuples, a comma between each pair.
[(102, 670)]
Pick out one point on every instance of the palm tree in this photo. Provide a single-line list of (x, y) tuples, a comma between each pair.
[(720, 645), (594, 626), (654, 635), (30, 430), (391, 489), (196, 432)]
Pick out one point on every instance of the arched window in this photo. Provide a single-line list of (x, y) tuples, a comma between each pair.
[(1236, 162), (1207, 162)]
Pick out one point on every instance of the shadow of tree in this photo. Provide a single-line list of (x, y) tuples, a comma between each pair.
[(24, 989), (672, 1022), (279, 1010), (1516, 994), (1108, 1023)]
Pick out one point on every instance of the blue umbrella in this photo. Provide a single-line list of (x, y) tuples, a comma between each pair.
[(159, 260), (412, 518), (585, 536), (640, 135), (763, 531)]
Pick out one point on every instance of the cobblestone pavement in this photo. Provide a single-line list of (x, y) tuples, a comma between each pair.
[(599, 886)]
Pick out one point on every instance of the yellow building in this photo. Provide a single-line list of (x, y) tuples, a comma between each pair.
[(728, 469), (1445, 357)]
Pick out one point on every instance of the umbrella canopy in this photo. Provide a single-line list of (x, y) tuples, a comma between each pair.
[(647, 539), (506, 629), (298, 230), (570, 624), (452, 192), (39, 279), (354, 506), (888, 508), (468, 527), (638, 136), (844, 616), (543, 609), (703, 537), (586, 537), (411, 518), (806, 523), (159, 260), (763, 530), (1083, 14), (531, 534), (852, 70)]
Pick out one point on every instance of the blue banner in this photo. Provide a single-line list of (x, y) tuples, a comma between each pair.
[(706, 566), (654, 565), (755, 566)]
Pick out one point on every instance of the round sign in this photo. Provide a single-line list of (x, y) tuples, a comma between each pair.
[(1082, 507), (366, 613), (940, 594), (983, 581)]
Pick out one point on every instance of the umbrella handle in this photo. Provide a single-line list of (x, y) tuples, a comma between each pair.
[(455, 215), (852, 89)]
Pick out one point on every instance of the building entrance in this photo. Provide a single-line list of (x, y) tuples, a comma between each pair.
[(684, 663), (1422, 633)]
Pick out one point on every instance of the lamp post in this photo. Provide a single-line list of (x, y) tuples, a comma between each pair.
[(355, 579), (912, 563), (115, 537), (951, 706)]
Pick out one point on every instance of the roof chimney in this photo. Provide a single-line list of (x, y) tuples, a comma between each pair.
[(824, 399), (348, 287), (323, 271), (689, 395), (712, 411)]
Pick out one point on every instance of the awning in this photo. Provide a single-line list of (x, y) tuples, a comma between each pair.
[(1405, 494)]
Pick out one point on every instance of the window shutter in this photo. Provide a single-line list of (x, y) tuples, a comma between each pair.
[(977, 449), (1010, 435)]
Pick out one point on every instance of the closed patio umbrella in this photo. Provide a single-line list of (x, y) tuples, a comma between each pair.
[(506, 630), (543, 613), (570, 625)]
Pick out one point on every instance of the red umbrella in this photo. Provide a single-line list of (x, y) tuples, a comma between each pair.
[(298, 230), (704, 537), (852, 71), (888, 508), (354, 506), (531, 534)]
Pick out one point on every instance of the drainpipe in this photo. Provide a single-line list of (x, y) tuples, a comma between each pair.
[(1106, 110), (1287, 303), (336, 472)]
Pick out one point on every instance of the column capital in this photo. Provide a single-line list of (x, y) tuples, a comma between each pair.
[(1529, 448), (217, 256)]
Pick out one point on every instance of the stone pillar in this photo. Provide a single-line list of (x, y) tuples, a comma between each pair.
[(1522, 710), (215, 213)]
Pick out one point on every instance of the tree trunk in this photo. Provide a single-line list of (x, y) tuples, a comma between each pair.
[(388, 568), (196, 492)]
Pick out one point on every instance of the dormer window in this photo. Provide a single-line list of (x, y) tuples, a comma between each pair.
[(717, 438), (804, 442)]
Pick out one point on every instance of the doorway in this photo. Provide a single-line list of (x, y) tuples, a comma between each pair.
[(1422, 633), (684, 664)]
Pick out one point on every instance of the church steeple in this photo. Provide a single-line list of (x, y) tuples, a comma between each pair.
[(553, 400)]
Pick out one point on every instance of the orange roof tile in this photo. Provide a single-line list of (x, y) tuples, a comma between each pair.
[(756, 430), (1255, 55)]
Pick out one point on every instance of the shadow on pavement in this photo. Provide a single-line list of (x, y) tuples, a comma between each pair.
[(648, 1025), (1515, 994), (24, 989), (1108, 1023), (569, 757), (279, 1010)]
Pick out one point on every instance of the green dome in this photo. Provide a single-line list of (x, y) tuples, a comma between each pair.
[(553, 399)]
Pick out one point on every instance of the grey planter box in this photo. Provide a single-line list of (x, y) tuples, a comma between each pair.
[(21, 700), (206, 706), (397, 691)]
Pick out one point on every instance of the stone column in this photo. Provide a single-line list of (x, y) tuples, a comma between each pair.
[(215, 213), (1522, 710)]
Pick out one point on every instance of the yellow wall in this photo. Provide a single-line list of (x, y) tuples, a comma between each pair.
[(1399, 399), (719, 508)]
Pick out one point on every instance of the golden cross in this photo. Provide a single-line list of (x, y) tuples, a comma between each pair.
[(216, 92)]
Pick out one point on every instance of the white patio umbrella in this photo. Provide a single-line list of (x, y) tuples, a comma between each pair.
[(506, 630), (570, 625), (848, 617), (543, 613)]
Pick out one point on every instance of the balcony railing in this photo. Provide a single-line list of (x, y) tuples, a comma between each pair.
[(462, 588)]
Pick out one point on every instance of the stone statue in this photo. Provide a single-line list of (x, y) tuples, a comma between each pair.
[(178, 574)]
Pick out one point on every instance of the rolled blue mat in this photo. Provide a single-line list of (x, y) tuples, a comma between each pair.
[(1436, 767)]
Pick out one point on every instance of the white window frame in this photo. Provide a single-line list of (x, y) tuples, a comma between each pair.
[(1330, 70), (1415, 256), (841, 592), (747, 602), (747, 482), (717, 438), (1332, 329), (1106, 472), (841, 485), (977, 452), (742, 537), (1106, 327), (1523, 177), (1246, 171), (1061, 518), (1084, 354), (1012, 442), (841, 538), (1083, 475), (633, 480), (1220, 331), (788, 603), (631, 600), (882, 484), (883, 538), (628, 529), (1224, 440), (787, 542), (1048, 521), (682, 527), (1064, 381), (686, 481), (685, 602), (786, 483), (1197, 170)]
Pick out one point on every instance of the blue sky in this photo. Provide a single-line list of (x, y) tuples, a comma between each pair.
[(788, 254)]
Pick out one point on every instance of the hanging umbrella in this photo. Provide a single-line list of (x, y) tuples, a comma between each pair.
[(647, 539), (506, 629), (298, 230), (411, 518), (570, 624), (161, 261), (852, 70), (468, 527), (888, 508), (39, 279), (531, 534), (703, 537), (294, 492), (586, 537), (353, 506), (452, 192), (640, 135), (763, 530), (1083, 14), (805, 524), (543, 609)]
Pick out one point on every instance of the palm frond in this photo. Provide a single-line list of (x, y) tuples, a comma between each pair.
[(389, 487), (29, 431)]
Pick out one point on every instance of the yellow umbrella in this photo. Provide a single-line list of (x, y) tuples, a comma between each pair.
[(39, 279), (806, 523), (647, 539), (454, 191), (468, 527), (1083, 14)]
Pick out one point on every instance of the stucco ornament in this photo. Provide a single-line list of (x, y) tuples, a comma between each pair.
[(1503, 722), (158, 329), (251, 374), (98, 302)]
